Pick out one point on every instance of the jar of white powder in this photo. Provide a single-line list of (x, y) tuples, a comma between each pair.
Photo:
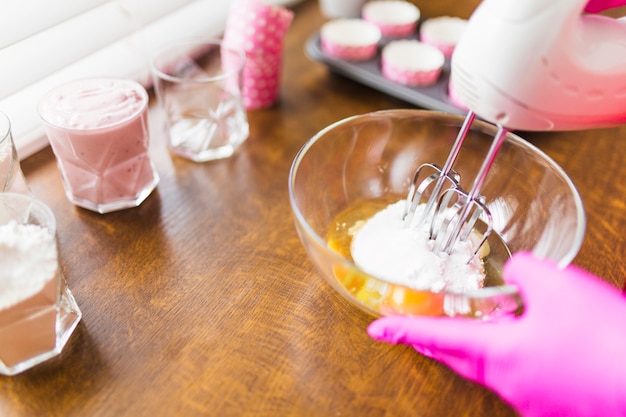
[(38, 312)]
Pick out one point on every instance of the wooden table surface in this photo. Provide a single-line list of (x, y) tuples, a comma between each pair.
[(202, 301)]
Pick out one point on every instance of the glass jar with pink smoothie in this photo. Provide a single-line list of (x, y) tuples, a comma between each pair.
[(98, 131)]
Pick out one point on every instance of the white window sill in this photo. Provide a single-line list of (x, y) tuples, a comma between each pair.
[(126, 58)]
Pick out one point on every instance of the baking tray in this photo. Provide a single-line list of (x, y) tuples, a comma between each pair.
[(433, 97)]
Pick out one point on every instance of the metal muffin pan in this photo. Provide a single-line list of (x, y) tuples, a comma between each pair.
[(432, 97)]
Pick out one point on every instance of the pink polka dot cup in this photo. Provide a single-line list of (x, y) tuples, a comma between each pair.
[(258, 29)]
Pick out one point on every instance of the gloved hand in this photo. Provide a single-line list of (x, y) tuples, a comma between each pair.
[(564, 356), (596, 6)]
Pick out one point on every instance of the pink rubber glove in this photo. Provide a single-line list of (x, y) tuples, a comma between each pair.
[(596, 6), (564, 356)]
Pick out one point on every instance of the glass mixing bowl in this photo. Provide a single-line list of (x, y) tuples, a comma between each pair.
[(354, 167)]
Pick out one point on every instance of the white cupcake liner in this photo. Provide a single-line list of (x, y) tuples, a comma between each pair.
[(411, 62), (394, 18), (443, 33), (351, 39)]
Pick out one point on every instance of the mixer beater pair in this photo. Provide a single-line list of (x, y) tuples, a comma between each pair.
[(529, 65), (450, 213)]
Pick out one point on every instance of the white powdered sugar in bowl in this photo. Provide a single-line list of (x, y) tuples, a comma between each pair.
[(384, 247)]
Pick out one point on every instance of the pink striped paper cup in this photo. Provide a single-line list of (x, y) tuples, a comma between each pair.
[(350, 39), (394, 18), (411, 63)]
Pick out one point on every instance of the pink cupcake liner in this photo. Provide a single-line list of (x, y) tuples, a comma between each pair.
[(258, 29), (352, 53), (411, 63), (453, 96), (350, 39), (264, 58), (261, 80), (396, 31), (260, 92), (253, 25), (447, 50), (443, 33), (410, 78), (261, 71), (260, 87), (394, 18)]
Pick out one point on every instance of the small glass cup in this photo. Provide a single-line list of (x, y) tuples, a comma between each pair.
[(98, 131), (11, 176), (199, 87), (38, 312)]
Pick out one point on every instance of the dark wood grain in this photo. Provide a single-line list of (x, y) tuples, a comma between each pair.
[(202, 302)]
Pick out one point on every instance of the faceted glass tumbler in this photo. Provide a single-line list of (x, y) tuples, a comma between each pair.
[(11, 176), (38, 312), (98, 131), (199, 87)]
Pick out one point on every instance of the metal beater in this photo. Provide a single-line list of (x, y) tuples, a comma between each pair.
[(452, 212), (525, 65)]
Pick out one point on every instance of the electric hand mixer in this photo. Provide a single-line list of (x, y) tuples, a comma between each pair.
[(533, 65)]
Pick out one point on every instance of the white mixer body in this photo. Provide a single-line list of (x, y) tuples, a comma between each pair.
[(542, 65)]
